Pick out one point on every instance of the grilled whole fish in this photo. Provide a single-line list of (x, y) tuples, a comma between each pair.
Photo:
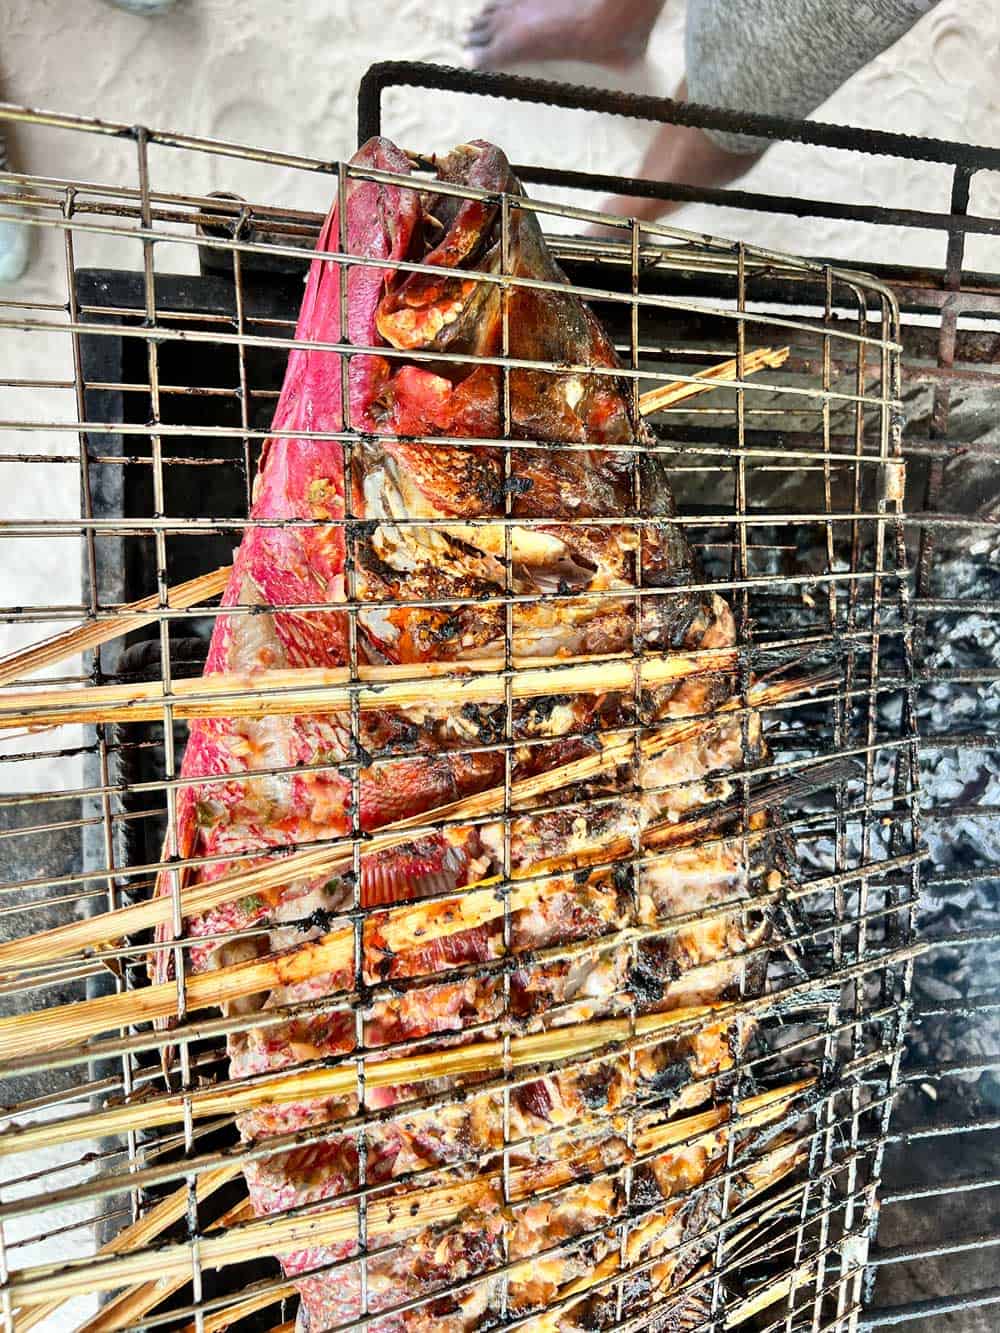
[(466, 550)]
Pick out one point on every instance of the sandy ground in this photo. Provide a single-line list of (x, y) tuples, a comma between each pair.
[(283, 75)]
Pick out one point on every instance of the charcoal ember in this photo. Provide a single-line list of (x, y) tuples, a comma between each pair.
[(959, 778), (988, 1089), (936, 989)]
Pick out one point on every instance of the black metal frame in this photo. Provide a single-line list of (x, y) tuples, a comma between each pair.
[(964, 158)]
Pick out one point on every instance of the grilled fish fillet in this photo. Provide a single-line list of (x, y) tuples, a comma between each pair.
[(466, 550)]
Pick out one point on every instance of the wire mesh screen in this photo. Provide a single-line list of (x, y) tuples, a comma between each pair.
[(498, 911)]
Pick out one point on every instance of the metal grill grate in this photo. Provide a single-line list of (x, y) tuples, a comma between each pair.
[(788, 482), (934, 1263)]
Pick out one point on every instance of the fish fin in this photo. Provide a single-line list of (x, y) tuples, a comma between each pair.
[(410, 871)]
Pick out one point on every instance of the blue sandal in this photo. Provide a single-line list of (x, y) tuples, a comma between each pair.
[(144, 8)]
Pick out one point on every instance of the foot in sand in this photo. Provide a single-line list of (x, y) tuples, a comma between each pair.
[(600, 32)]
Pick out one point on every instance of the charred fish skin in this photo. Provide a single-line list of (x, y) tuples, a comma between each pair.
[(437, 523)]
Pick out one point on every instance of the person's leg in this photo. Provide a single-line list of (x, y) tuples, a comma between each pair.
[(785, 57), (601, 32), (685, 156), (776, 57)]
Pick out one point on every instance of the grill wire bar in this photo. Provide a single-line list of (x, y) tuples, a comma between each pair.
[(789, 484)]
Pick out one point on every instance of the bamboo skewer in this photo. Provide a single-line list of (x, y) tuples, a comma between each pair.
[(339, 1080), (769, 1295), (762, 1298), (141, 1233), (669, 395), (771, 1292), (143, 612), (67, 1024), (387, 1215), (273, 1236), (91, 634), (404, 927), (308, 690), (761, 1175), (131, 1305), (60, 941), (752, 1113), (409, 926)]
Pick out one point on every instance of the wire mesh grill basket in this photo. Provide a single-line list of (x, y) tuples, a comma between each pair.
[(590, 1010)]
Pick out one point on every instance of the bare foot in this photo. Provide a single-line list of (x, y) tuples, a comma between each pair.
[(600, 32)]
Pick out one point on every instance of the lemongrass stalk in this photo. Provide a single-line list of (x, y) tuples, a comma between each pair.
[(337, 855), (308, 690), (131, 616), (142, 1232), (69, 1024), (402, 928), (669, 395), (576, 1040), (132, 1304), (387, 1215)]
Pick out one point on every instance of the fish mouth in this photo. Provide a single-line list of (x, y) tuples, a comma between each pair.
[(431, 311), (449, 309)]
